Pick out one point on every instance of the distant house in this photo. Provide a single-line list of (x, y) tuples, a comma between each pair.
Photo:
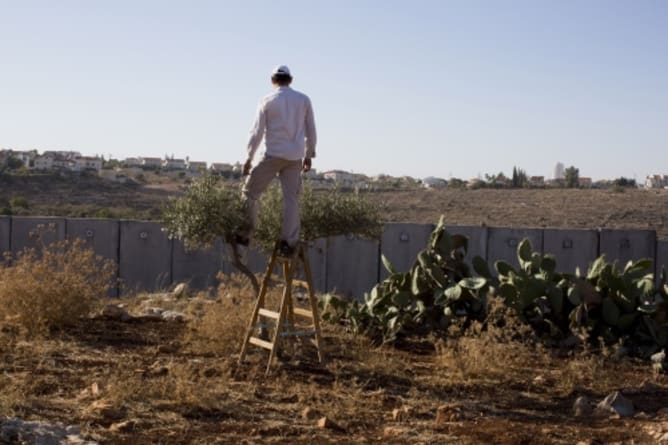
[(151, 162), (174, 164), (221, 167), (584, 182), (432, 182), (132, 162), (87, 163), (537, 181), (475, 183), (339, 176), (656, 181), (194, 166), (43, 163)]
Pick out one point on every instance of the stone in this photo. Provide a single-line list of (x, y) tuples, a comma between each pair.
[(174, 316), (309, 413), (615, 403), (447, 413), (181, 290), (123, 427), (582, 407), (648, 386), (116, 312), (327, 423)]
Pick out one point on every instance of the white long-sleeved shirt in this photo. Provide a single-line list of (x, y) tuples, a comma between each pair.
[(285, 120)]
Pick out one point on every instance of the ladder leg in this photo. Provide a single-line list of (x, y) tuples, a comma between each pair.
[(312, 300), (259, 303), (287, 293)]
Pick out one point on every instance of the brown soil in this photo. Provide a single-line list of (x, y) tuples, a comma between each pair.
[(556, 208), (143, 382)]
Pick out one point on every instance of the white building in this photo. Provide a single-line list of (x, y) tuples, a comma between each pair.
[(87, 163), (558, 172), (174, 164), (132, 162), (656, 181), (43, 163), (432, 182), (221, 167), (151, 162), (194, 166)]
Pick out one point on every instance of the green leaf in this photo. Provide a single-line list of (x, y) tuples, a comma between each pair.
[(473, 283), (524, 250), (548, 263), (388, 265), (503, 268), (401, 299), (453, 293), (556, 298), (596, 268), (480, 267), (460, 242), (610, 312)]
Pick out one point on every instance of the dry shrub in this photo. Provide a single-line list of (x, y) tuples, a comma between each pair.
[(224, 322), (499, 348), (46, 289)]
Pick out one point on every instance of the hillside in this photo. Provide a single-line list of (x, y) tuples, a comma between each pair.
[(89, 196)]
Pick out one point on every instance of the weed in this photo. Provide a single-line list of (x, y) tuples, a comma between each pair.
[(53, 286)]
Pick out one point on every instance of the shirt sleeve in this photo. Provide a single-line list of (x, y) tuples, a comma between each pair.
[(311, 136), (257, 131)]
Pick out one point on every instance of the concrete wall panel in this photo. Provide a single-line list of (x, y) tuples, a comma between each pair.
[(25, 231), (401, 243), (5, 234), (145, 257), (352, 265), (661, 258), (197, 267), (625, 245), (102, 235), (477, 236), (317, 255), (502, 243), (572, 248)]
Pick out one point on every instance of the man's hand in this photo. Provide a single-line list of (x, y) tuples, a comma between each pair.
[(307, 165), (247, 168)]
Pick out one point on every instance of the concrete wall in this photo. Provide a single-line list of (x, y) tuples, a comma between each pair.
[(5, 233), (352, 265), (197, 267), (26, 232), (401, 243), (145, 257), (661, 258), (625, 245), (348, 265), (502, 244), (477, 236), (572, 248)]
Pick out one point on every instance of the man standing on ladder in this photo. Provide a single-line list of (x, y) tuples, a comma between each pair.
[(285, 121)]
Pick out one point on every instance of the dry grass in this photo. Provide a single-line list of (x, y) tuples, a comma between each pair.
[(46, 289)]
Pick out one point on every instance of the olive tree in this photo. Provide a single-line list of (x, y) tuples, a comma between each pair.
[(212, 209)]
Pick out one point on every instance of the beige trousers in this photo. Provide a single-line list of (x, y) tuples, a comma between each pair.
[(289, 173)]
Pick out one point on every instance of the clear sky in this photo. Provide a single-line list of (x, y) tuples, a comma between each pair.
[(442, 88)]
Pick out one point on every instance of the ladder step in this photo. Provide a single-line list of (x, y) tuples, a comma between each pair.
[(303, 312), (261, 343), (269, 314), (298, 333)]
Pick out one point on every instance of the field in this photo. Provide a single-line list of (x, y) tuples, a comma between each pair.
[(560, 208), (140, 379), (145, 381)]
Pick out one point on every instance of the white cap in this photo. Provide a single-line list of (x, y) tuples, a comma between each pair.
[(281, 69)]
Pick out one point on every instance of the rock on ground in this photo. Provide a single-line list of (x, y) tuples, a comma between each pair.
[(14, 430)]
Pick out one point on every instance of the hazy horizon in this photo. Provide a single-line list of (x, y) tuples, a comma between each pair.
[(452, 88)]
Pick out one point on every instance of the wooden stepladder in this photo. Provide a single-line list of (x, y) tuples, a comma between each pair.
[(284, 320)]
